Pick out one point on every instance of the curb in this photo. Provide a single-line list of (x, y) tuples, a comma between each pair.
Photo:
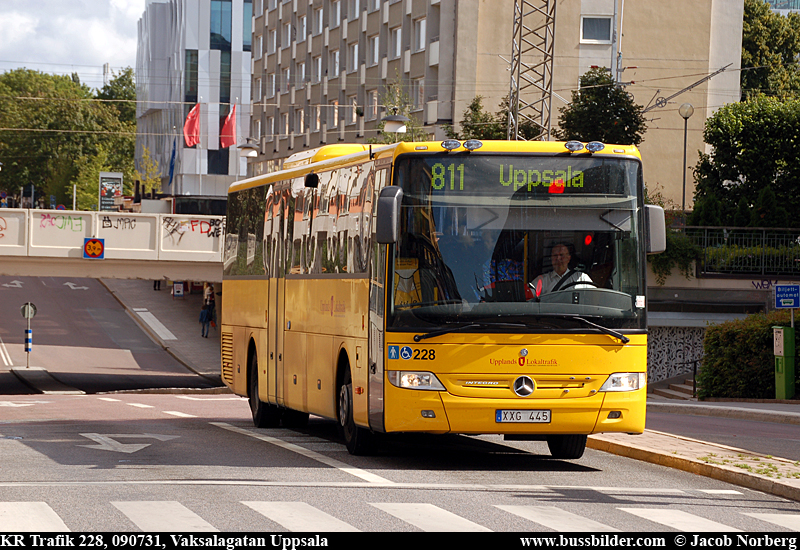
[(41, 381), (215, 378), (719, 472), (738, 413)]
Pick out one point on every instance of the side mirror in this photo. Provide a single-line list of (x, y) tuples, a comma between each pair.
[(388, 214), (656, 229)]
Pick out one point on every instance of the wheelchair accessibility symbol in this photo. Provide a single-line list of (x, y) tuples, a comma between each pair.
[(405, 352)]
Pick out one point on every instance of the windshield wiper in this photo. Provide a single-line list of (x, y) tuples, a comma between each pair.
[(624, 339), (440, 332)]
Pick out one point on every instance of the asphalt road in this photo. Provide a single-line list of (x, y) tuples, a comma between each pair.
[(192, 463)]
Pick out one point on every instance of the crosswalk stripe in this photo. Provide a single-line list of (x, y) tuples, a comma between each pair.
[(789, 521), (428, 517), (678, 519), (299, 516), (163, 516), (24, 517), (556, 518)]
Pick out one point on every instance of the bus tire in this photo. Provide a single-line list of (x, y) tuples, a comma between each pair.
[(264, 414), (566, 446), (357, 440)]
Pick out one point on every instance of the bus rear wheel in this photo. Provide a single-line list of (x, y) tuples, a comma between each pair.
[(566, 446), (357, 440), (264, 414)]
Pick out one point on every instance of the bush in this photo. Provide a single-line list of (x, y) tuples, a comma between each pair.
[(738, 358), (681, 252)]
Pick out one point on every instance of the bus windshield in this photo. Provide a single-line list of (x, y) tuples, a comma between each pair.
[(546, 242)]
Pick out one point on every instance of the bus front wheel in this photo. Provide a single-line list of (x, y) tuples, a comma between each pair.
[(566, 446), (357, 440), (264, 414)]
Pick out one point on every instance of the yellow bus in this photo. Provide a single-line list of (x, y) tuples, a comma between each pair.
[(473, 288)]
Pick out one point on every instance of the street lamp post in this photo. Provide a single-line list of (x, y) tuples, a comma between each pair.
[(395, 124), (686, 110)]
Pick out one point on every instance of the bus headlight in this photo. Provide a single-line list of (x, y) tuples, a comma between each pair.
[(415, 380), (624, 381)]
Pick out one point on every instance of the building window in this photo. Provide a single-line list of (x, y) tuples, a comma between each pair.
[(271, 85), (353, 8), (302, 30), (352, 57), (301, 75), (319, 21), (299, 121), (396, 45), (336, 13), (333, 64), (247, 26), (352, 107), (334, 113), (419, 34), (316, 69), (372, 104), (259, 46), (257, 91), (218, 161), (316, 119), (286, 35), (374, 50), (221, 25), (418, 93), (284, 125), (190, 81), (374, 5), (273, 4), (595, 30), (270, 128), (272, 41), (287, 80), (257, 128)]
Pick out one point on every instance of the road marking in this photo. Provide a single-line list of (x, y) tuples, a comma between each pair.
[(164, 516), (180, 414), (162, 331), (5, 355), (108, 442), (300, 516), (679, 520), (24, 517), (557, 519), (140, 405), (333, 463), (720, 491), (73, 286), (429, 517), (192, 398), (789, 521), (13, 284), (109, 399), (12, 404)]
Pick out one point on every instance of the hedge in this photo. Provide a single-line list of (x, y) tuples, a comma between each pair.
[(738, 358)]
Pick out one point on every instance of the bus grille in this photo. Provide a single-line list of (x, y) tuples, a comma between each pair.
[(227, 358)]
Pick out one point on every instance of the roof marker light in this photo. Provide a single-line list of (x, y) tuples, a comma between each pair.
[(472, 144), (451, 144), (574, 146), (594, 146)]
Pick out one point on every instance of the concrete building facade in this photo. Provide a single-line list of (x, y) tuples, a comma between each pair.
[(193, 52)]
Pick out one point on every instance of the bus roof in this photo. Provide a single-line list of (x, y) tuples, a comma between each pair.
[(331, 156)]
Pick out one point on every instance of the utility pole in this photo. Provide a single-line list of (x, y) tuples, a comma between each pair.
[(531, 96)]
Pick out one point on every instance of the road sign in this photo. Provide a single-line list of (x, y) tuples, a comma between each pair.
[(28, 310), (787, 296), (94, 249)]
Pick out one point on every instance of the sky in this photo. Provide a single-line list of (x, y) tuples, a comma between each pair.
[(69, 36)]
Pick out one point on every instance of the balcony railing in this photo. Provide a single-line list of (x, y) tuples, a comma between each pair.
[(732, 251)]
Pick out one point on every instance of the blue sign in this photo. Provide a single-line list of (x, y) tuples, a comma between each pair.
[(405, 353), (394, 352), (787, 296)]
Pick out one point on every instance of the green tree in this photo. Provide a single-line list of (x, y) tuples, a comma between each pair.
[(396, 101), (51, 125), (87, 179), (770, 49), (120, 92), (767, 212), (478, 124), (752, 148), (149, 173), (601, 111)]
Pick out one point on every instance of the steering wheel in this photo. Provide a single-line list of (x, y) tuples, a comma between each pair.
[(574, 283)]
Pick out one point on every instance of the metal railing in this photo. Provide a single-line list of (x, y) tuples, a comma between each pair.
[(746, 251)]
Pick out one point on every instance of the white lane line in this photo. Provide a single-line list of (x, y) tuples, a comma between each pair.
[(209, 398), (162, 331), (720, 491), (109, 399), (163, 516), (789, 521), (679, 520), (556, 518), (333, 463), (140, 405), (429, 517), (25, 517), (5, 355), (179, 414), (300, 516)]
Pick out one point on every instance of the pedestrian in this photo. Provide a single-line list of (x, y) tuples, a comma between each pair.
[(205, 321), (208, 297), (157, 284)]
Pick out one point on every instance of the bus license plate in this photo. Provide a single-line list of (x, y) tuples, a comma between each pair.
[(522, 416)]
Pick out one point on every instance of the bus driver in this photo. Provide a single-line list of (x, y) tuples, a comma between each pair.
[(561, 276)]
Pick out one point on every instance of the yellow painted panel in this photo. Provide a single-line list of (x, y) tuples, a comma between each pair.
[(245, 302), (328, 306), (321, 368), (294, 365)]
